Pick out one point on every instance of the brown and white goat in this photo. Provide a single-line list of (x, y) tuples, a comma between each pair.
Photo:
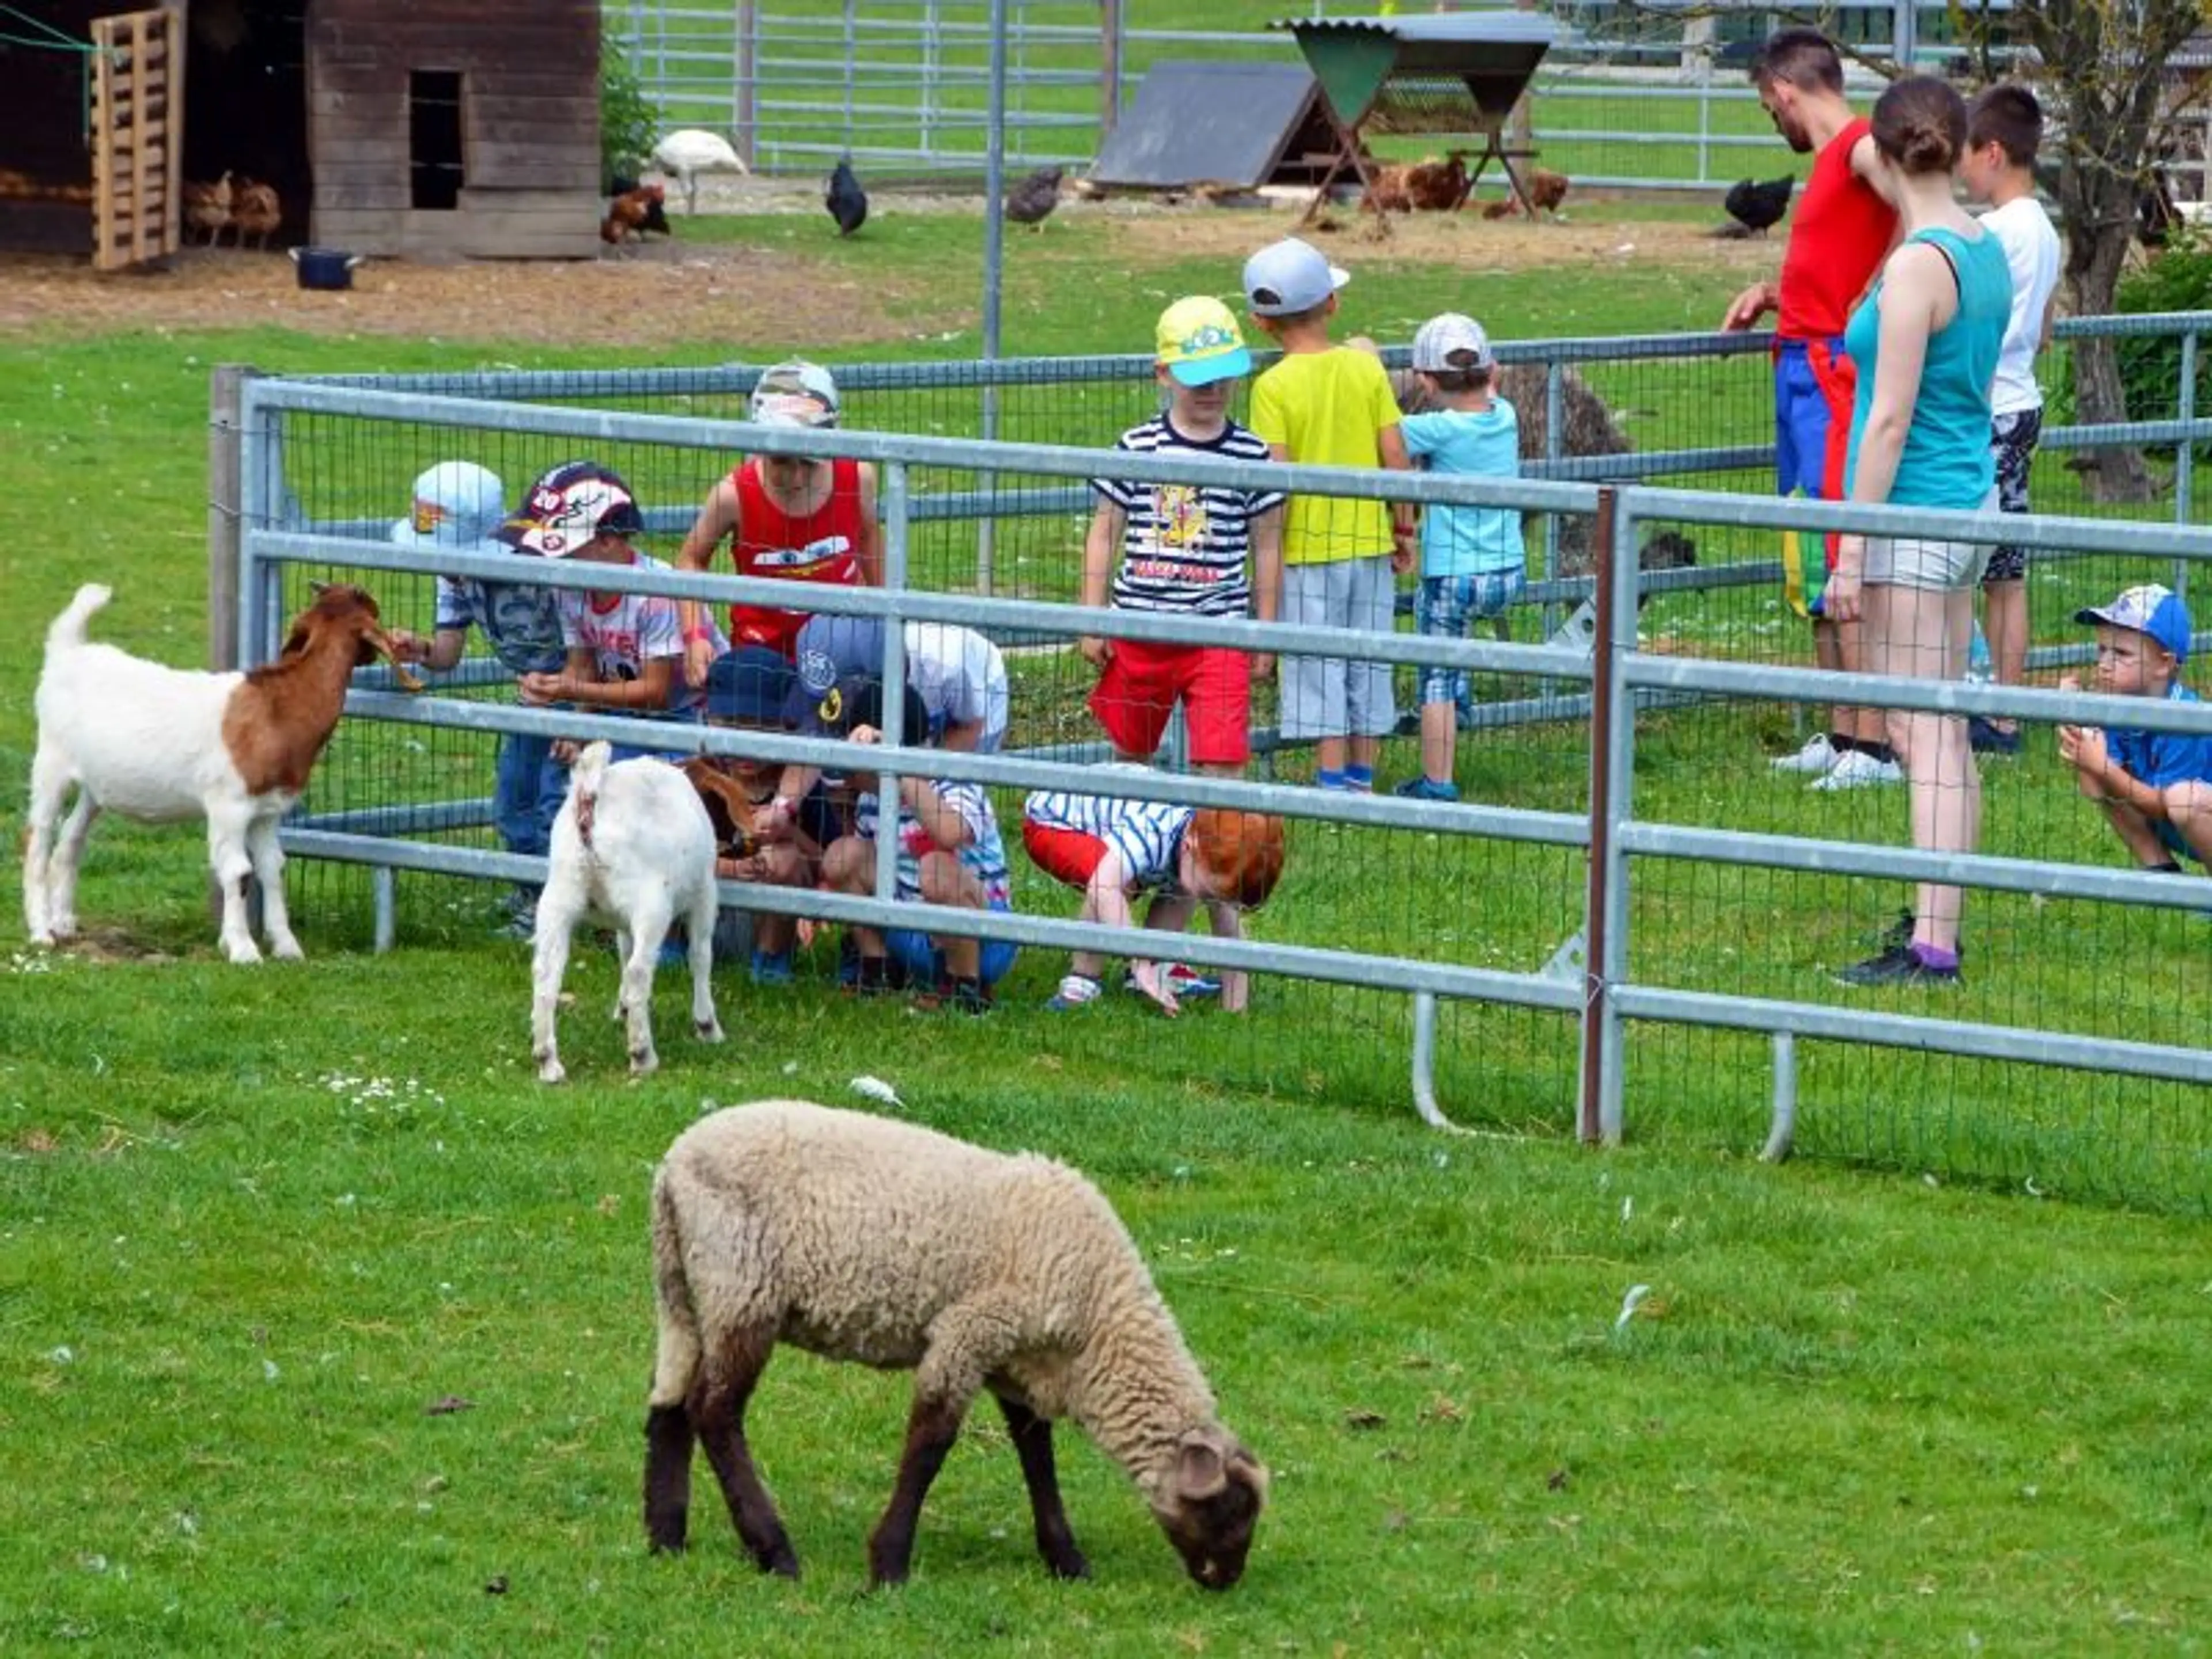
[(162, 744)]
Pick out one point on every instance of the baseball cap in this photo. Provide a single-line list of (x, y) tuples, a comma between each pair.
[(2149, 609), (1199, 340), (865, 708), (834, 658), (1451, 342), (568, 506), (795, 392), (1287, 277), (751, 684), (457, 504)]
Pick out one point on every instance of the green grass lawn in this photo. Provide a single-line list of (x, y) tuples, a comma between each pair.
[(324, 1328)]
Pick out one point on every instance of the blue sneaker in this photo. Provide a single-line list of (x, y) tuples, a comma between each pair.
[(1185, 980), (1426, 789), (1076, 991), (770, 969)]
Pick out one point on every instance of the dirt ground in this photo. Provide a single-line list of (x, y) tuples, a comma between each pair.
[(671, 292)]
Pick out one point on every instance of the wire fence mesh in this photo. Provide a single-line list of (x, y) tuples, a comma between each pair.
[(1505, 895)]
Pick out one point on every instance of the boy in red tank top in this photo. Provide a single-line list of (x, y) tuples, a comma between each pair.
[(1842, 230), (784, 516)]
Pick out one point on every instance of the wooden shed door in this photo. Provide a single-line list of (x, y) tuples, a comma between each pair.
[(137, 136)]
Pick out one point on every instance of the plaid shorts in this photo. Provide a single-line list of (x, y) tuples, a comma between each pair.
[(1447, 606), (2013, 439)]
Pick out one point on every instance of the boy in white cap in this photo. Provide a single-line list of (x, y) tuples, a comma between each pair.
[(784, 516), (459, 506), (1472, 561), (2155, 788), (1184, 549), (1330, 405)]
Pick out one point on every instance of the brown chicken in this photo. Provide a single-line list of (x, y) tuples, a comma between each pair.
[(1546, 190), (1429, 186), (256, 211), (634, 213), (207, 208)]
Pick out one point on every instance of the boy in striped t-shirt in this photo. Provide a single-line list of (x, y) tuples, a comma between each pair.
[(1184, 548), (1110, 849)]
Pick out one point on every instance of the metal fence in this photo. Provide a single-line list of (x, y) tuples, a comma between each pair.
[(1631, 96), (1632, 930)]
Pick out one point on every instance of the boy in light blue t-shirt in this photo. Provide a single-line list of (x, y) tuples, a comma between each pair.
[(1473, 564)]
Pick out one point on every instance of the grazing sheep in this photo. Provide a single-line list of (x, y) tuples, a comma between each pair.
[(160, 744), (865, 1239), (633, 844)]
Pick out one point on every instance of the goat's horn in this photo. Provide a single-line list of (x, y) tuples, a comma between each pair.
[(318, 588)]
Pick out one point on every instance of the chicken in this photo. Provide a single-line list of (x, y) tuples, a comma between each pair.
[(634, 213), (1386, 193), (207, 208), (1031, 201), (1437, 186), (1755, 207), (256, 211), (684, 154), (1546, 190), (846, 202)]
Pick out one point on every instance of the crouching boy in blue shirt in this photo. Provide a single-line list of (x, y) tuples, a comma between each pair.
[(2155, 788)]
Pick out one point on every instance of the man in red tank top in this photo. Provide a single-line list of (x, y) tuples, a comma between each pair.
[(1839, 237), (784, 516)]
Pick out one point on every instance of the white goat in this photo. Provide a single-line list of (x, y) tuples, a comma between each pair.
[(632, 844), (162, 744), (684, 154)]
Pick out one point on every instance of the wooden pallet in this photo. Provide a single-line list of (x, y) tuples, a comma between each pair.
[(138, 116)]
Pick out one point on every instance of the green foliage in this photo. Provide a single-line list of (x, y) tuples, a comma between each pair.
[(627, 121), (2177, 277)]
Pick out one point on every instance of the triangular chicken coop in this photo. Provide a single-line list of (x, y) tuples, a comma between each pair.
[(1451, 74)]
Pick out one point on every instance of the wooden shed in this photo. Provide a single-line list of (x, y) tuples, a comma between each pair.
[(419, 128)]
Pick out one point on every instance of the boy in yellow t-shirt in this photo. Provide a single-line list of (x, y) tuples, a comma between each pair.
[(1330, 406)]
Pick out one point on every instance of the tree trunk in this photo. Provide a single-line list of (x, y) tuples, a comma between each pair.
[(2100, 209)]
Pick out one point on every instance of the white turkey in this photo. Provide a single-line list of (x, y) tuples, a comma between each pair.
[(684, 154)]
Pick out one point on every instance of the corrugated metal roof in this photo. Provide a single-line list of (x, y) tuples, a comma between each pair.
[(1488, 28)]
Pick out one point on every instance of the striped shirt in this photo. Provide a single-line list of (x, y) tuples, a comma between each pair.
[(1146, 834), (1184, 547), (984, 854)]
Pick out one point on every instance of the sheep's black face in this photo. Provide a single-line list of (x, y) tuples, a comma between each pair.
[(1214, 1534)]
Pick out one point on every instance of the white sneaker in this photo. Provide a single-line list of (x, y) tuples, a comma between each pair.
[(1858, 770), (1818, 755)]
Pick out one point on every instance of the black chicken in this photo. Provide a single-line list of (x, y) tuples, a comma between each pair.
[(846, 202), (1756, 207), (1031, 201)]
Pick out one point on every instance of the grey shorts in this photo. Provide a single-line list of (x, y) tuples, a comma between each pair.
[(1339, 696), (1909, 561)]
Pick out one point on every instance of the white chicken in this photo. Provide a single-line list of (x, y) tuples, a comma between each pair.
[(684, 154)]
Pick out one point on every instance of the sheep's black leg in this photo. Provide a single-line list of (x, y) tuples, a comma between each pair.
[(1055, 1538), (668, 1442), (718, 1413), (931, 1428)]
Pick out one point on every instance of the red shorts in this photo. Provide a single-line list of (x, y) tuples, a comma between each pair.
[(1138, 690), (1065, 855)]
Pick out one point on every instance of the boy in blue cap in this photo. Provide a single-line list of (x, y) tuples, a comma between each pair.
[(2155, 788)]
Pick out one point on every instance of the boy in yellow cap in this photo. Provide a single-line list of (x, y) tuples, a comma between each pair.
[(1186, 549)]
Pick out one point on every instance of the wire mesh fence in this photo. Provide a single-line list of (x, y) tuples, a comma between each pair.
[(1485, 905)]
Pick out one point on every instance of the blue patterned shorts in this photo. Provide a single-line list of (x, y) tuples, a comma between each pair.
[(1448, 605), (2013, 439)]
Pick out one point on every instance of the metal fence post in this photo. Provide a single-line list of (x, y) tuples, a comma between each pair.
[(746, 106), (2184, 460), (1599, 1118), (994, 242), (1110, 26), (225, 503), (897, 507)]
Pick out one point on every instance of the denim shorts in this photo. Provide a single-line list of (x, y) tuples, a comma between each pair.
[(1447, 606)]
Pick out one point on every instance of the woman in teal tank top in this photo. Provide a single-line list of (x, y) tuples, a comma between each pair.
[(1926, 339)]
